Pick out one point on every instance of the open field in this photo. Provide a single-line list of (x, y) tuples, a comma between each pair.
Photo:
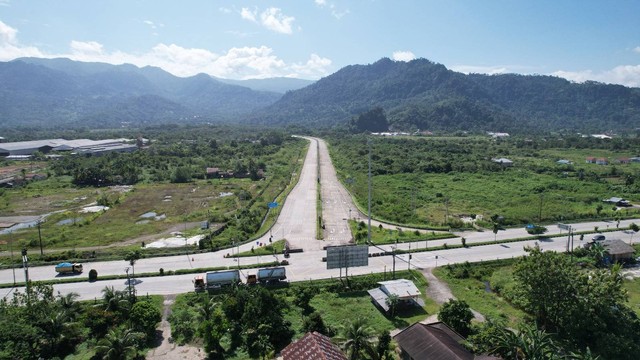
[(476, 292), (439, 180), (148, 210)]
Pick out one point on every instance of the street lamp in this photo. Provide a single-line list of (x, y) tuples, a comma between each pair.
[(126, 269)]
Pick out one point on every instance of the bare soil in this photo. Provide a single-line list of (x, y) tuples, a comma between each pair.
[(166, 349)]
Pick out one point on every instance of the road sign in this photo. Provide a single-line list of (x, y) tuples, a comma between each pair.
[(272, 205), (347, 256), (564, 226)]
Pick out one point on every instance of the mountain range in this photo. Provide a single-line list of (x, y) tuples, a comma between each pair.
[(43, 92), (422, 95), (415, 95)]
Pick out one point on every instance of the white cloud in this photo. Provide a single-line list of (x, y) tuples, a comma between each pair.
[(9, 46), (403, 56), (274, 20), (315, 67), (7, 34), (637, 49), (5, 2), (271, 18), (489, 70), (235, 63), (88, 48), (338, 14), (224, 10), (628, 75), (247, 14)]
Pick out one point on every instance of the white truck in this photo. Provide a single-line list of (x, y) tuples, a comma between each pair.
[(216, 280), (271, 275), (69, 268)]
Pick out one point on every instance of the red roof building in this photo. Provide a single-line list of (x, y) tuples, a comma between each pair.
[(313, 346)]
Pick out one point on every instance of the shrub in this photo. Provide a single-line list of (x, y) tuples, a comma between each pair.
[(93, 275)]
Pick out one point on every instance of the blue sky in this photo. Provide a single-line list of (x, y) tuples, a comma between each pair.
[(578, 40)]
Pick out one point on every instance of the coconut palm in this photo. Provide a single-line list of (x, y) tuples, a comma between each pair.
[(70, 307), (113, 299), (119, 344), (356, 339), (598, 252), (528, 343)]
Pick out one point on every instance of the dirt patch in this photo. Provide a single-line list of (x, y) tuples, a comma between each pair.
[(439, 291), (166, 348)]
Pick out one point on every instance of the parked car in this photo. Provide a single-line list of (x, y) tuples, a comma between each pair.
[(598, 237)]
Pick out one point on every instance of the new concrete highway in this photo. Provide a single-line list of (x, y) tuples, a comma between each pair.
[(297, 223)]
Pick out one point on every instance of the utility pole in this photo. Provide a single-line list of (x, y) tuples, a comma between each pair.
[(40, 237), (393, 254), (369, 203), (25, 265), (128, 282), (13, 268)]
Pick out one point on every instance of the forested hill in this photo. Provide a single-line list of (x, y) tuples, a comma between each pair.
[(61, 92), (423, 95)]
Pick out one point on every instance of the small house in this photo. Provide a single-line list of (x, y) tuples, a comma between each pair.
[(312, 346), (618, 250), (591, 160), (504, 162), (405, 290), (624, 160), (433, 341), (617, 201), (212, 172), (602, 161)]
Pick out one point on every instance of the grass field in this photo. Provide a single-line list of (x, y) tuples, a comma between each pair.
[(381, 235), (633, 291), (179, 207), (480, 298), (434, 181)]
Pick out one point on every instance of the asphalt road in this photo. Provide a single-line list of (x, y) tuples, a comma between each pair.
[(297, 223)]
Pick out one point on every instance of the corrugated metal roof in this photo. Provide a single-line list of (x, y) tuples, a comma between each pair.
[(404, 288), (62, 144)]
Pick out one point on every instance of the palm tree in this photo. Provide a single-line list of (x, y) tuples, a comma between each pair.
[(598, 252), (70, 307), (119, 344), (635, 228), (132, 257), (528, 343), (356, 339), (392, 302), (113, 300)]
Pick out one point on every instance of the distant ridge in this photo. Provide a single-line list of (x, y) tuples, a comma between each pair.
[(415, 95), (422, 95), (62, 92)]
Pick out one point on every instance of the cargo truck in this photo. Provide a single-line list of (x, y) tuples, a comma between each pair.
[(216, 280), (270, 275), (69, 268)]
